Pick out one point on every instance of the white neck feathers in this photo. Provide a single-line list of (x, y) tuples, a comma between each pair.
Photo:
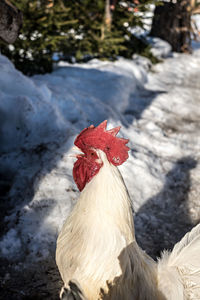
[(106, 198)]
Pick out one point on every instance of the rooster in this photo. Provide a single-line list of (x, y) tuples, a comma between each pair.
[(97, 253)]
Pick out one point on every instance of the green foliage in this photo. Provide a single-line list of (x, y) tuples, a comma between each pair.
[(75, 28), (95, 39)]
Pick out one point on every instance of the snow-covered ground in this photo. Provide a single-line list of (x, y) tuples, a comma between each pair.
[(158, 109)]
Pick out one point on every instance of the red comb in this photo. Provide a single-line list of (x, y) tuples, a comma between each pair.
[(99, 138)]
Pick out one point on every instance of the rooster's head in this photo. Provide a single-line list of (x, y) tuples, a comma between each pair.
[(89, 141)]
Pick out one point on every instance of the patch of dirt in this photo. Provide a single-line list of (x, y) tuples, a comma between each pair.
[(36, 282)]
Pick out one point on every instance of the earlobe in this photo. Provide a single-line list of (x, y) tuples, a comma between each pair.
[(98, 161)]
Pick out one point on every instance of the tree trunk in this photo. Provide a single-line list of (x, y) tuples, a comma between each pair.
[(10, 21), (172, 22), (106, 25), (108, 16)]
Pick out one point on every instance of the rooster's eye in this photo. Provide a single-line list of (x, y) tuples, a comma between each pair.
[(93, 154)]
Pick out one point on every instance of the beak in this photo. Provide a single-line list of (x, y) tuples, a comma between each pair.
[(75, 148), (78, 153)]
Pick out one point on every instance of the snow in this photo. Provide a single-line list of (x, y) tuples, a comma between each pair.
[(158, 109), (160, 48)]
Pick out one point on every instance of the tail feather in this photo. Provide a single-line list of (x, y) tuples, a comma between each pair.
[(73, 292), (188, 248), (179, 271)]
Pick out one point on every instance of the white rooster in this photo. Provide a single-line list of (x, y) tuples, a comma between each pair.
[(97, 254)]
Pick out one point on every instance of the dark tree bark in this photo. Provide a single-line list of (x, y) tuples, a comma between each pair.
[(172, 22), (10, 21)]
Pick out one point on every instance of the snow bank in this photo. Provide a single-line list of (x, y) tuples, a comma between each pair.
[(25, 111)]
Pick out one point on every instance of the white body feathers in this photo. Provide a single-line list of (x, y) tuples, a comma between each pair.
[(179, 271), (96, 247)]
